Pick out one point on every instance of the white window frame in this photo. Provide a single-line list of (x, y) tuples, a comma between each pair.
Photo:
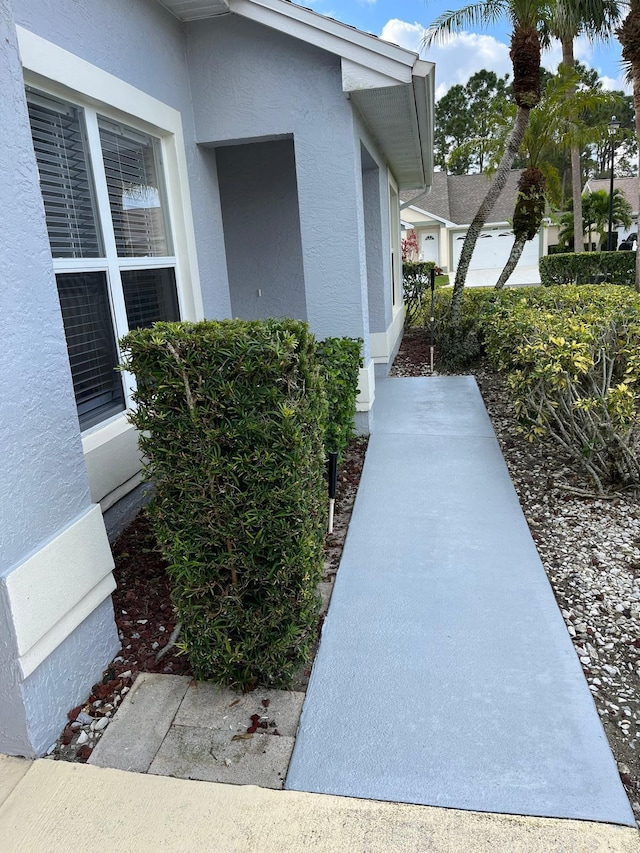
[(56, 72)]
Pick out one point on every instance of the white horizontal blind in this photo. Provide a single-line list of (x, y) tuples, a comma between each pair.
[(135, 191), (65, 179)]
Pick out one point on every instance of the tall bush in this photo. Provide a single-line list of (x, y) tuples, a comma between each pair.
[(416, 290), (573, 361), (588, 268), (340, 360), (231, 416)]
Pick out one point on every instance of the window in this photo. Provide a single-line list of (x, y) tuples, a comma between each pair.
[(110, 237)]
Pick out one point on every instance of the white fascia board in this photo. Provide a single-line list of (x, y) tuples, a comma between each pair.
[(332, 36), (446, 222)]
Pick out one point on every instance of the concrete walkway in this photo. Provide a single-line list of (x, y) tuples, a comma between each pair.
[(56, 807), (445, 674)]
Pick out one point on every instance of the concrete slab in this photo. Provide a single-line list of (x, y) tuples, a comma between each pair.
[(445, 674), (207, 705), (57, 807), (133, 738), (210, 755), (11, 772)]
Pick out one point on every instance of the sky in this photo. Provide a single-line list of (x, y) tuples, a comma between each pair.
[(404, 23)]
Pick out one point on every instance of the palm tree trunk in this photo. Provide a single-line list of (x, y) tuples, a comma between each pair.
[(495, 188), (576, 172), (512, 262)]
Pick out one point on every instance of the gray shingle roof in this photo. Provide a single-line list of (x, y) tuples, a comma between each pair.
[(629, 187), (458, 197)]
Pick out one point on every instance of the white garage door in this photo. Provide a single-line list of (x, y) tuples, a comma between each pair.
[(493, 248)]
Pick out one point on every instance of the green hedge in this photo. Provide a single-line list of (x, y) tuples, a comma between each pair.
[(588, 268), (340, 361), (572, 356), (231, 416)]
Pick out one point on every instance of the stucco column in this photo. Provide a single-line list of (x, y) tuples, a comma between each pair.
[(333, 244), (56, 619)]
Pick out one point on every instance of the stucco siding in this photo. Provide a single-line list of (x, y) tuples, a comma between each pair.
[(250, 82), (259, 198)]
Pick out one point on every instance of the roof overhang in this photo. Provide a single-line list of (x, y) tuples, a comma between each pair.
[(392, 89)]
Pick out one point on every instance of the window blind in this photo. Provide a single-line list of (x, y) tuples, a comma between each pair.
[(150, 296), (91, 345), (65, 180), (135, 192)]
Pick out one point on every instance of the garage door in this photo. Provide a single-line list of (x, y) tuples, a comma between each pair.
[(493, 248)]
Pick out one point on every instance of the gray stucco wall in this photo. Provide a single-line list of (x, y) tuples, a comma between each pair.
[(377, 228), (248, 81), (259, 198), (373, 242), (44, 481)]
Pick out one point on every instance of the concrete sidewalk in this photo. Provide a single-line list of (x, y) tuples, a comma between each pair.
[(445, 674), (56, 807)]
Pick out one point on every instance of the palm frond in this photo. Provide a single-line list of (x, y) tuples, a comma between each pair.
[(483, 14)]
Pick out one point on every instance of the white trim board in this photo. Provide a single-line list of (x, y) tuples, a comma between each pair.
[(46, 606)]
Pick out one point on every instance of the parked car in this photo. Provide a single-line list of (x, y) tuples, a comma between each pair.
[(629, 243)]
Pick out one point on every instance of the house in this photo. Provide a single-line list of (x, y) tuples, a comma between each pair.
[(441, 217), (167, 159)]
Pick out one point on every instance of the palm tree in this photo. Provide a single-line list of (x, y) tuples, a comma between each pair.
[(595, 206), (629, 37), (570, 18), (551, 126), (528, 19)]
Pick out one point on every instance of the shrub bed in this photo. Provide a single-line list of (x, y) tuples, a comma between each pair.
[(588, 268), (231, 416), (339, 360), (573, 363)]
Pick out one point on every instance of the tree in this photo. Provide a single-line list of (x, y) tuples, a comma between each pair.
[(595, 208), (629, 37), (527, 19), (569, 19), (465, 112), (551, 127), (451, 129), (529, 210)]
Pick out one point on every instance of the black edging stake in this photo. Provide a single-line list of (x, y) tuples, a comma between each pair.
[(333, 486)]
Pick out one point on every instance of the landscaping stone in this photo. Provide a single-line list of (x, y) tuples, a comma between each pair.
[(149, 708), (212, 755), (207, 705)]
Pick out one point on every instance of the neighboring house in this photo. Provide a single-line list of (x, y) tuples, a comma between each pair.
[(629, 187), (442, 216), (165, 160)]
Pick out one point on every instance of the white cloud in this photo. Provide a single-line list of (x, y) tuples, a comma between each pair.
[(464, 53), (403, 33), (457, 59)]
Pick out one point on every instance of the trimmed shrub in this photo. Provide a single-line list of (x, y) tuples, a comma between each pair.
[(416, 289), (573, 361), (340, 360), (231, 416), (462, 347), (588, 268)]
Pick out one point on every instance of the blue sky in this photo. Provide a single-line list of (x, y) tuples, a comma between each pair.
[(403, 22)]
